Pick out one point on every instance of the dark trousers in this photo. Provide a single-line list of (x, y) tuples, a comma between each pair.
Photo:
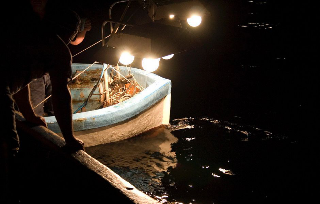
[(40, 89), (9, 146)]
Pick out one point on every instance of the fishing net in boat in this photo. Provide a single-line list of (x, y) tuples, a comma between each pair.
[(98, 88), (122, 89)]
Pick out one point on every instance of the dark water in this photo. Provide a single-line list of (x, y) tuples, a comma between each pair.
[(206, 160)]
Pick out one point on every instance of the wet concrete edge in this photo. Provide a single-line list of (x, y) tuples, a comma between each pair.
[(82, 174)]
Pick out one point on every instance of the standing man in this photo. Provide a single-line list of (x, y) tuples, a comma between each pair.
[(43, 50), (41, 88)]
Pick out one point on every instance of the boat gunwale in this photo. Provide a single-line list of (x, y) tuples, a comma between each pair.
[(157, 89)]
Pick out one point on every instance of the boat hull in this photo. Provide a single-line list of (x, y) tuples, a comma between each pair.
[(146, 110)]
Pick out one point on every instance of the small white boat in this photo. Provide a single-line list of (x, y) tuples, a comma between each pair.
[(95, 124)]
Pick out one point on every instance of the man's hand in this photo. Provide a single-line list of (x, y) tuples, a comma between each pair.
[(87, 25), (74, 144)]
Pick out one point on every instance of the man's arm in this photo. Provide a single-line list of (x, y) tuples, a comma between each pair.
[(22, 99), (80, 37), (61, 100), (82, 34)]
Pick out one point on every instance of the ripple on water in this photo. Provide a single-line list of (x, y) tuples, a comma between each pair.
[(206, 160)]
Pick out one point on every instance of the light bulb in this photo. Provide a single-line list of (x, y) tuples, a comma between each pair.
[(194, 20), (126, 58), (150, 64)]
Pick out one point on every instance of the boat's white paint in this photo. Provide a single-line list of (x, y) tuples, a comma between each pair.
[(146, 110)]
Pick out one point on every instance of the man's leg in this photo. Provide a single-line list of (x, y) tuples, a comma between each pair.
[(9, 147), (37, 95)]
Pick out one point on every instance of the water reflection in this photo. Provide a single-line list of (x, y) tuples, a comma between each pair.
[(141, 160), (205, 160), (226, 171)]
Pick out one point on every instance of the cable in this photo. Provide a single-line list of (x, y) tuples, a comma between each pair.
[(91, 92), (68, 83), (90, 46)]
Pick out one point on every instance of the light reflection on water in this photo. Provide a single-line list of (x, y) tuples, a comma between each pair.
[(206, 160), (141, 160)]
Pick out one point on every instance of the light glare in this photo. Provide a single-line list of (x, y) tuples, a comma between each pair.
[(194, 20), (150, 64), (168, 57), (126, 58)]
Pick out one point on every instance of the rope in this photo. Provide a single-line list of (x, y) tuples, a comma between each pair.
[(68, 83), (82, 71), (91, 92), (87, 48), (90, 46), (126, 78)]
